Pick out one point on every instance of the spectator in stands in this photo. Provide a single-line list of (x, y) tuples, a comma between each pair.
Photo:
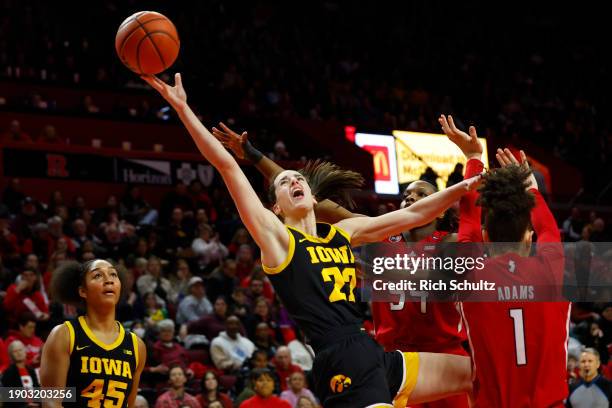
[(166, 351), (154, 310), (49, 135), (141, 402), (261, 313), (208, 248), (12, 196), (196, 305), (9, 243), (25, 296), (263, 385), (222, 280), (80, 235), (56, 232), (128, 308), (19, 374), (153, 281), (135, 209), (244, 261), (177, 237), (259, 359), (181, 278), (178, 198), (26, 334), (592, 389), (256, 290), (25, 221), (264, 339), (430, 176), (572, 226), (211, 393), (213, 324), (15, 134), (176, 396), (239, 303), (88, 105), (284, 366), (241, 237), (230, 349), (456, 176), (202, 200), (301, 353), (297, 389), (5, 360), (305, 402)]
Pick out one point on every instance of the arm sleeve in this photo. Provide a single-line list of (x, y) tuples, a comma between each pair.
[(549, 247), (469, 212)]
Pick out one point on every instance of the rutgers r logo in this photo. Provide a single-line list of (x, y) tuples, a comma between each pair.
[(56, 166), (339, 383)]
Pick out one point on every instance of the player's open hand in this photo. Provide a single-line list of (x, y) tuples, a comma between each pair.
[(469, 144), (231, 140), (175, 95), (506, 158)]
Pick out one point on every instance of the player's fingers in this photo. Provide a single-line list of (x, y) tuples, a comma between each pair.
[(228, 130), (451, 122), (178, 81), (524, 159), (511, 156), (444, 123), (501, 157)]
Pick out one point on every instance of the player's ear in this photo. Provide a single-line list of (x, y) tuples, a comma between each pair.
[(277, 210), (82, 292)]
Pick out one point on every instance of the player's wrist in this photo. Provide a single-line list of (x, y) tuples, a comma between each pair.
[(251, 154), (473, 155)]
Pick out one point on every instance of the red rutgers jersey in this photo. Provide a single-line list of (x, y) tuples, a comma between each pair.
[(519, 347), (419, 326)]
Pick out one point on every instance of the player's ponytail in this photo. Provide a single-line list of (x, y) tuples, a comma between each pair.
[(329, 181), (506, 203)]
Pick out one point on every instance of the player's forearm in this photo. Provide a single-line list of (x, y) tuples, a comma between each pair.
[(543, 221), (428, 209), (207, 144), (268, 168)]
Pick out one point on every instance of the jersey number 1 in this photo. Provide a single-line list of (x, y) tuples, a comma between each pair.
[(519, 336)]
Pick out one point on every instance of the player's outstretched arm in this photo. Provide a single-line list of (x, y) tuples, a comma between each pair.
[(55, 361), (239, 144), (373, 229), (265, 228), (440, 376), (469, 212)]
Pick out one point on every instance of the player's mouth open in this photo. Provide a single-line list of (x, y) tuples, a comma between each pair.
[(298, 193)]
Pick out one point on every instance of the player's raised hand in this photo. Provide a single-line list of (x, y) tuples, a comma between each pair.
[(175, 95), (231, 140), (468, 143), (506, 158)]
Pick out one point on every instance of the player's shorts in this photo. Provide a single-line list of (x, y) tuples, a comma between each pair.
[(355, 372)]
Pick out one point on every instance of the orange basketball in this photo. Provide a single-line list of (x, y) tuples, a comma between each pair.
[(147, 42)]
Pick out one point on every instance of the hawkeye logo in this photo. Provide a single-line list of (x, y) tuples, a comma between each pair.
[(339, 383)]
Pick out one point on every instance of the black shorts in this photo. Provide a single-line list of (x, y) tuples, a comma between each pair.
[(356, 372)]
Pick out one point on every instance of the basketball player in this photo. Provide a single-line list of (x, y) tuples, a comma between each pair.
[(399, 325), (313, 271), (92, 353), (518, 347)]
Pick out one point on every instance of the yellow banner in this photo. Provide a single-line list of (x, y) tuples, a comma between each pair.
[(416, 151)]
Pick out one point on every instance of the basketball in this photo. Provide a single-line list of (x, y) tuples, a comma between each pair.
[(147, 42)]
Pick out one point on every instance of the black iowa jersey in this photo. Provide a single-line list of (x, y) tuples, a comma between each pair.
[(102, 373), (316, 283)]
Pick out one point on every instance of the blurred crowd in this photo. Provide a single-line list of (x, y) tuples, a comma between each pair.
[(196, 293), (520, 74)]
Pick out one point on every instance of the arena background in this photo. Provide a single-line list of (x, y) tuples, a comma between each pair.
[(77, 128)]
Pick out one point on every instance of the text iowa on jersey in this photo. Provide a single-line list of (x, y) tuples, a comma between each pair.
[(110, 366)]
